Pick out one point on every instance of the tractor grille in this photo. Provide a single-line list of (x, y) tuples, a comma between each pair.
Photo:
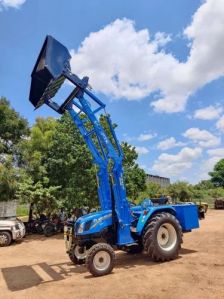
[(76, 227)]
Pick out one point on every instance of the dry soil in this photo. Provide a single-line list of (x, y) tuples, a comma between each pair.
[(38, 267)]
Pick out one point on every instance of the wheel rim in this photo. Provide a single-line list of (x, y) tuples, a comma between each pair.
[(80, 252), (101, 260), (167, 237), (3, 240)]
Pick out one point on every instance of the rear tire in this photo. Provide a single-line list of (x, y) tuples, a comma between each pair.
[(162, 237), (49, 230), (100, 259), (5, 239)]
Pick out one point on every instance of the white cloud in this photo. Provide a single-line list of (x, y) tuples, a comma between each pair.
[(128, 138), (141, 137), (161, 39), (124, 62), (208, 113), (145, 137), (202, 137), (142, 150), (143, 166), (121, 61), (218, 152), (75, 108), (169, 143), (11, 3), (207, 165), (220, 124), (204, 63), (172, 165)]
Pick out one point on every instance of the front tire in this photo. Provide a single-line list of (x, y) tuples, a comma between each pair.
[(5, 239), (162, 237), (100, 259), (77, 255), (39, 229)]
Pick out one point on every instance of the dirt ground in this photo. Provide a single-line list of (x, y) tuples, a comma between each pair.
[(39, 268)]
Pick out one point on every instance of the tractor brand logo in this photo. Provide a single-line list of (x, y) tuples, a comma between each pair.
[(98, 221)]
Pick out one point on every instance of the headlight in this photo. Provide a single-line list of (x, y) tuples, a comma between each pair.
[(16, 227), (81, 228)]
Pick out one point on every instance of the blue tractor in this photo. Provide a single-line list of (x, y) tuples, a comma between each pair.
[(156, 230)]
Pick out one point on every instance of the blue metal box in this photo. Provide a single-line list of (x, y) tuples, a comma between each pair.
[(187, 214)]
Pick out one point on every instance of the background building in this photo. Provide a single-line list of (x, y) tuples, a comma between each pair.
[(162, 181)]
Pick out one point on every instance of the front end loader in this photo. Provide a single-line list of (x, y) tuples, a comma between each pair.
[(93, 238)]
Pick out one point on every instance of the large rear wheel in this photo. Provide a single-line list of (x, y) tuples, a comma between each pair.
[(162, 237), (49, 230)]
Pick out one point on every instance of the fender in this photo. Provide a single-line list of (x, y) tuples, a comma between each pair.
[(147, 214)]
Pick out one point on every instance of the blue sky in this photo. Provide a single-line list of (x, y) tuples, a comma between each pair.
[(158, 67)]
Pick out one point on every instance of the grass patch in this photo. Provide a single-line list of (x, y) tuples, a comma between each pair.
[(22, 210)]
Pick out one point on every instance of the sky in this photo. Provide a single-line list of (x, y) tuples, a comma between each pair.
[(158, 65)]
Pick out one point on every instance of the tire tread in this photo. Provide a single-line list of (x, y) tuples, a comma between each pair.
[(149, 242), (91, 253), (9, 237)]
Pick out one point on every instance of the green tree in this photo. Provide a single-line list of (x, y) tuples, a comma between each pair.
[(152, 190), (12, 127), (217, 175), (180, 191), (204, 185), (8, 180), (69, 164), (197, 194), (135, 177), (216, 192), (43, 198), (32, 151)]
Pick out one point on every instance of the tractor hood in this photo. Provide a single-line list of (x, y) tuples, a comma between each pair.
[(9, 222), (93, 222), (95, 215)]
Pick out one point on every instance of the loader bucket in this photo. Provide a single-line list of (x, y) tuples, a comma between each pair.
[(47, 75)]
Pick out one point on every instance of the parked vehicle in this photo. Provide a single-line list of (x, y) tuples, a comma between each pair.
[(11, 229), (219, 203), (202, 209), (36, 222), (36, 226), (53, 226)]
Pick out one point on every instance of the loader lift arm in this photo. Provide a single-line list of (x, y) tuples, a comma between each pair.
[(50, 72)]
